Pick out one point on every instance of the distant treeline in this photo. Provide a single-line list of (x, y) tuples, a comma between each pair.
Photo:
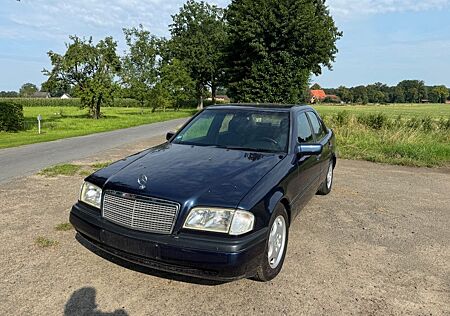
[(407, 91), (9, 94)]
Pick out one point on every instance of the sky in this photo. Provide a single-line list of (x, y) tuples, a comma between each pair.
[(384, 40)]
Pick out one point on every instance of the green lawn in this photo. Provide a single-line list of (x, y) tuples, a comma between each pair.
[(63, 122)]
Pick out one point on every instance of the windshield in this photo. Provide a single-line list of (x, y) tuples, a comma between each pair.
[(255, 130)]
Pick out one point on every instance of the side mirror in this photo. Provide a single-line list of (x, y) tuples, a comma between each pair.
[(169, 135), (309, 149)]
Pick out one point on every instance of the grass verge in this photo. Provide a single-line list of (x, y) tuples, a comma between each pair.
[(101, 165), (64, 170)]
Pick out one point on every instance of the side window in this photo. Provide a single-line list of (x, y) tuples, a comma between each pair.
[(317, 126), (304, 133)]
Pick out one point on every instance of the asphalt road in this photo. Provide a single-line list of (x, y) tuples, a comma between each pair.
[(25, 160), (379, 244)]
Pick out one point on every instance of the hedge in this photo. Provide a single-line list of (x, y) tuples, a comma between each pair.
[(11, 117)]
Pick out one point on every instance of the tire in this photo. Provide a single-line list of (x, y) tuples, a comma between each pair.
[(266, 271), (327, 184)]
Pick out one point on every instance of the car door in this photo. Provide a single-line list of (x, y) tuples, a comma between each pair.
[(308, 166), (322, 137)]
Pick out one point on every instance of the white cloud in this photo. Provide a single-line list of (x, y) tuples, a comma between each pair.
[(349, 8), (57, 18)]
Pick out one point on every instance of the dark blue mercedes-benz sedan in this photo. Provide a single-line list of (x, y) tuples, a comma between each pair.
[(217, 199)]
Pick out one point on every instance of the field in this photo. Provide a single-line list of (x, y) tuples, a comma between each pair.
[(413, 135), (63, 122), (392, 110)]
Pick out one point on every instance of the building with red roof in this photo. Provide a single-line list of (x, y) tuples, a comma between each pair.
[(317, 95)]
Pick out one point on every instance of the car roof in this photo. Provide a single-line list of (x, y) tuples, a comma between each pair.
[(260, 106)]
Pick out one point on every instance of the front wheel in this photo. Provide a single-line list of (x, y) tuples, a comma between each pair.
[(276, 246), (326, 185)]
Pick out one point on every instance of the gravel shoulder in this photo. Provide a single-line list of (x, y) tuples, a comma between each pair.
[(378, 244)]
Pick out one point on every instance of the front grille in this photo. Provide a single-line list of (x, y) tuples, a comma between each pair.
[(139, 212)]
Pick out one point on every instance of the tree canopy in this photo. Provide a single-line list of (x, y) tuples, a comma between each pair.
[(439, 94), (274, 46), (27, 90)]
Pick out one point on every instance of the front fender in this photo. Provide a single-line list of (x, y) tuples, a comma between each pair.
[(274, 200)]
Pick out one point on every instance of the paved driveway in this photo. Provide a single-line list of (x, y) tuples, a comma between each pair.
[(24, 160), (379, 244)]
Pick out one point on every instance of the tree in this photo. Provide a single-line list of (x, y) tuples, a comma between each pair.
[(198, 35), (89, 68), (27, 90), (415, 90), (344, 94), (399, 95), (56, 88), (316, 86), (439, 94), (139, 73), (175, 79), (360, 94), (274, 46)]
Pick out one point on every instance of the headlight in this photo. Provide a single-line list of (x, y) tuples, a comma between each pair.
[(229, 221), (91, 194)]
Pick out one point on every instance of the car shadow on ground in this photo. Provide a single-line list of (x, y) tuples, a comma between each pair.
[(82, 302), (145, 270)]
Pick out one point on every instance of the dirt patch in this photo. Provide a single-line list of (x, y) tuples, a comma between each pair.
[(379, 244)]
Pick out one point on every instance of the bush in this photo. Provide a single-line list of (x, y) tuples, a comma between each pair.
[(11, 117), (375, 121), (427, 123), (444, 124), (342, 118)]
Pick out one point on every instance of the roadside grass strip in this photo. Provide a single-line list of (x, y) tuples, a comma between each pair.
[(61, 170)]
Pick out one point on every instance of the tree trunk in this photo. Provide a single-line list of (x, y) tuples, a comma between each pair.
[(97, 108), (213, 92), (200, 97), (200, 103)]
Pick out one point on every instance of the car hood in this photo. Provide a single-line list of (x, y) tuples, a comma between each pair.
[(193, 175)]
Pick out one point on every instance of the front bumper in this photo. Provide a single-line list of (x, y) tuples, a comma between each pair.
[(205, 256)]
